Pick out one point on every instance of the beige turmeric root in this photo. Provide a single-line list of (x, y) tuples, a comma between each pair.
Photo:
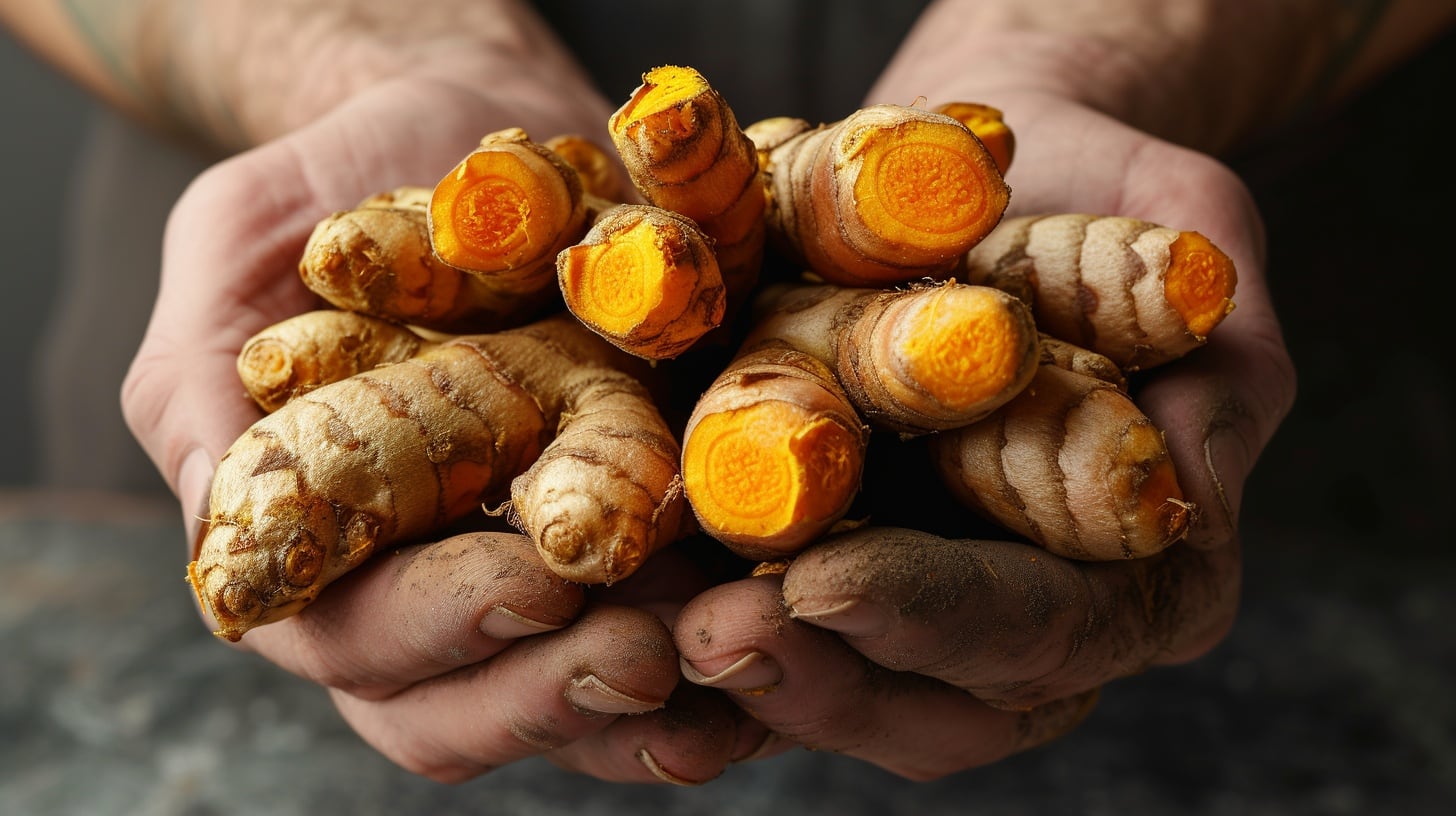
[(391, 455), (1072, 464), (607, 492), (376, 259), (685, 152), (505, 211), (1081, 361), (645, 279), (773, 453), (297, 355), (923, 359), (990, 127), (887, 195), (767, 134), (1139, 293)]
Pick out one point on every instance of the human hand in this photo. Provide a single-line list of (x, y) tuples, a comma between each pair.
[(928, 657), (412, 639)]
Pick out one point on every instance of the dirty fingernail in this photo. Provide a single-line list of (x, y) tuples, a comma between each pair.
[(646, 758), (852, 617), (591, 694), (754, 670), (503, 624)]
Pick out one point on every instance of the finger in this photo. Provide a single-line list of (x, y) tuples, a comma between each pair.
[(406, 616), (688, 742), (1007, 622), (804, 683), (539, 695)]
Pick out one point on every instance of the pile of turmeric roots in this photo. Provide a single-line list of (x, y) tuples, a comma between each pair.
[(706, 348)]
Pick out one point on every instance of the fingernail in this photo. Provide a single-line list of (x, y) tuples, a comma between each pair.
[(589, 693), (852, 617), (503, 624), (753, 671), (646, 758)]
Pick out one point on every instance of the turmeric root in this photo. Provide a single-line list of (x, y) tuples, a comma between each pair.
[(1139, 293), (989, 126), (928, 358), (887, 195), (1072, 465), (391, 455), (376, 259), (299, 354), (598, 172), (506, 210), (767, 134), (645, 279), (773, 453), (607, 492), (685, 152)]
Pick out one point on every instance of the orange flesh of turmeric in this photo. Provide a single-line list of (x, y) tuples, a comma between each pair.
[(1159, 496), (661, 118), (987, 123), (920, 185), (962, 353), (496, 211), (619, 284), (759, 470), (1199, 283)]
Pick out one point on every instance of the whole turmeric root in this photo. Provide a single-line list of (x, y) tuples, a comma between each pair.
[(773, 453), (297, 355), (376, 259), (1136, 292), (923, 359), (885, 196), (392, 455), (645, 279), (1072, 465)]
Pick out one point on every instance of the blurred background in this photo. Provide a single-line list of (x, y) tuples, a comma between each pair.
[(1333, 694)]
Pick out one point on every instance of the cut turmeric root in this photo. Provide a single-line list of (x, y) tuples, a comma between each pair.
[(376, 259), (1073, 465), (912, 361), (599, 176), (685, 152), (297, 355), (506, 210), (773, 453), (391, 455), (1139, 293), (645, 279), (885, 196), (990, 127)]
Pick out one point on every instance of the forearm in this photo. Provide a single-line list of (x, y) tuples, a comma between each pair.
[(1203, 73), (234, 73)]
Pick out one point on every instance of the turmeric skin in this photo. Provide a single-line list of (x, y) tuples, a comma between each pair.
[(885, 196), (773, 453), (923, 359), (506, 210), (684, 151), (297, 355), (989, 126), (1139, 293), (1073, 465), (645, 279)]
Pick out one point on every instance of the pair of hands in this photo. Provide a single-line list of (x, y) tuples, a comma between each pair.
[(455, 657)]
